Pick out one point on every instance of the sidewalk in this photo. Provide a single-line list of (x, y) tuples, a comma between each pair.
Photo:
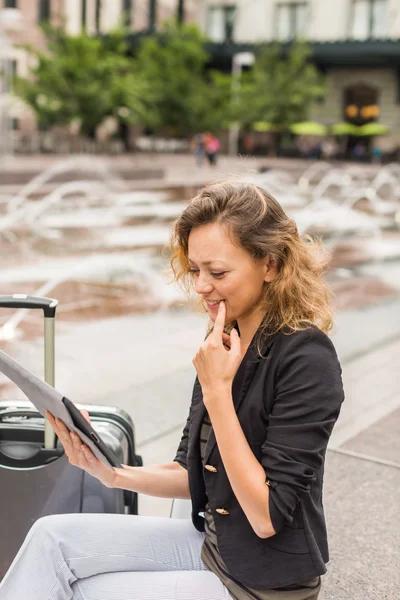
[(143, 365)]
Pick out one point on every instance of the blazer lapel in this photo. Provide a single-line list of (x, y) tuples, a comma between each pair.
[(240, 385), (197, 417)]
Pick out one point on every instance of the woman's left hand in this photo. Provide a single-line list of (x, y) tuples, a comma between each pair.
[(215, 365)]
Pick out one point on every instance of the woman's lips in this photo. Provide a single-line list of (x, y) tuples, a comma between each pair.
[(213, 304)]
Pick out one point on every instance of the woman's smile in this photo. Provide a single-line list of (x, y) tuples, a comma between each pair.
[(213, 304)]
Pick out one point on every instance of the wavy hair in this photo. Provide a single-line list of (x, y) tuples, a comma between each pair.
[(298, 295)]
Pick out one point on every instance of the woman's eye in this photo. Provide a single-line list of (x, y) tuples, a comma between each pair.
[(196, 272)]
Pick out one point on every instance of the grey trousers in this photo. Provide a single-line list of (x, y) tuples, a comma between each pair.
[(112, 557)]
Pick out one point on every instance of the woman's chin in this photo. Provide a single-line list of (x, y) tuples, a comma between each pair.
[(214, 313)]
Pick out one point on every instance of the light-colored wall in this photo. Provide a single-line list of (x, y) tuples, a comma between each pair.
[(394, 19), (337, 80), (73, 16), (112, 10), (21, 26), (329, 20)]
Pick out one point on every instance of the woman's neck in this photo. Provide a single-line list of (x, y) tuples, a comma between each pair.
[(248, 328)]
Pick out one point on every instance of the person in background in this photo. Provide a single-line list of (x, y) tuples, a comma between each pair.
[(212, 146), (198, 147), (359, 151), (376, 154), (328, 149)]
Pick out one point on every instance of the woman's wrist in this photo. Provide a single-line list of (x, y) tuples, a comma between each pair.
[(115, 480)]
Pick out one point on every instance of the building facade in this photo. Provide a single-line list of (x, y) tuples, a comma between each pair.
[(20, 24), (356, 44)]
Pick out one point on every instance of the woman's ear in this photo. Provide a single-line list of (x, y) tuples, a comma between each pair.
[(270, 269)]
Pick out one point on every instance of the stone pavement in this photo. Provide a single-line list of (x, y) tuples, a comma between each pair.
[(143, 364)]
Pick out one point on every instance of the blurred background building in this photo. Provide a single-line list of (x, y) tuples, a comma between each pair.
[(355, 44), (20, 24)]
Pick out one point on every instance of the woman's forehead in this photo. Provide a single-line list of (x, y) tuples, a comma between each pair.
[(211, 243)]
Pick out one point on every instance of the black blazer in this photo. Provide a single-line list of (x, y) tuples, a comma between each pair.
[(287, 402)]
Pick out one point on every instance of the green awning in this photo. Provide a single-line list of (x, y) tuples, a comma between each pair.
[(344, 128), (309, 128), (373, 129), (262, 126)]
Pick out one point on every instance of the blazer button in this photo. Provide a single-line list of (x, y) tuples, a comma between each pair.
[(222, 511), (210, 468)]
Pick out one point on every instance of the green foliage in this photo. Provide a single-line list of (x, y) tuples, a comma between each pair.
[(279, 89), (166, 86), (217, 109), (173, 65), (84, 78)]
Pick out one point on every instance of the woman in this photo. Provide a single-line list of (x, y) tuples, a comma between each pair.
[(267, 394)]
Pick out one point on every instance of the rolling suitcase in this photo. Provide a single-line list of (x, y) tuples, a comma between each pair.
[(36, 478)]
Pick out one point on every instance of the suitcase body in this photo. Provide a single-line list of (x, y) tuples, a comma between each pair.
[(33, 486), (36, 481)]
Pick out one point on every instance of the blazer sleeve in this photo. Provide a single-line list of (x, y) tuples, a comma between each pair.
[(181, 454), (308, 397)]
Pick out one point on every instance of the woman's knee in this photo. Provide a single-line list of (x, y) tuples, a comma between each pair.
[(51, 527)]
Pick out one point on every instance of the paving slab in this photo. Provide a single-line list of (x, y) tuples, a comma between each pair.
[(357, 331), (362, 500), (381, 440), (371, 384)]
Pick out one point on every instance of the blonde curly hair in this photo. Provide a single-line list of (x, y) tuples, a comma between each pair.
[(298, 296)]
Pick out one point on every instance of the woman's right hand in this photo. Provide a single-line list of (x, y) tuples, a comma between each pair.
[(79, 454)]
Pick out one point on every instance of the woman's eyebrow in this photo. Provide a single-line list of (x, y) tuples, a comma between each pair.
[(206, 262)]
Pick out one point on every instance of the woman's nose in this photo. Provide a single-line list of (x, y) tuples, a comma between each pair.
[(203, 285)]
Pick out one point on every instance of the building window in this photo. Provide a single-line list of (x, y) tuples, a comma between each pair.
[(97, 17), (44, 11), (127, 12), (10, 4), (83, 15), (369, 19), (8, 71), (361, 103), (221, 23), (291, 20)]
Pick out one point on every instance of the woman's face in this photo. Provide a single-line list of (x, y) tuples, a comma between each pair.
[(224, 271)]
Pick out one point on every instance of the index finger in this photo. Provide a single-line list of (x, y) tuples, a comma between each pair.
[(51, 419), (220, 321)]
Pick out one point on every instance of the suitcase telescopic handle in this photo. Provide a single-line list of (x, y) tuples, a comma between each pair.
[(48, 305), (24, 413)]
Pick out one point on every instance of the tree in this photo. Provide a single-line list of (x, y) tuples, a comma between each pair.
[(173, 65), (279, 89), (217, 109), (84, 78)]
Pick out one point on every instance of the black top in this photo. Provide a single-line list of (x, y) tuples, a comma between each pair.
[(288, 402)]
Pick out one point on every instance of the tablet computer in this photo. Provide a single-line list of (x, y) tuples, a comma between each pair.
[(46, 398), (84, 427)]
